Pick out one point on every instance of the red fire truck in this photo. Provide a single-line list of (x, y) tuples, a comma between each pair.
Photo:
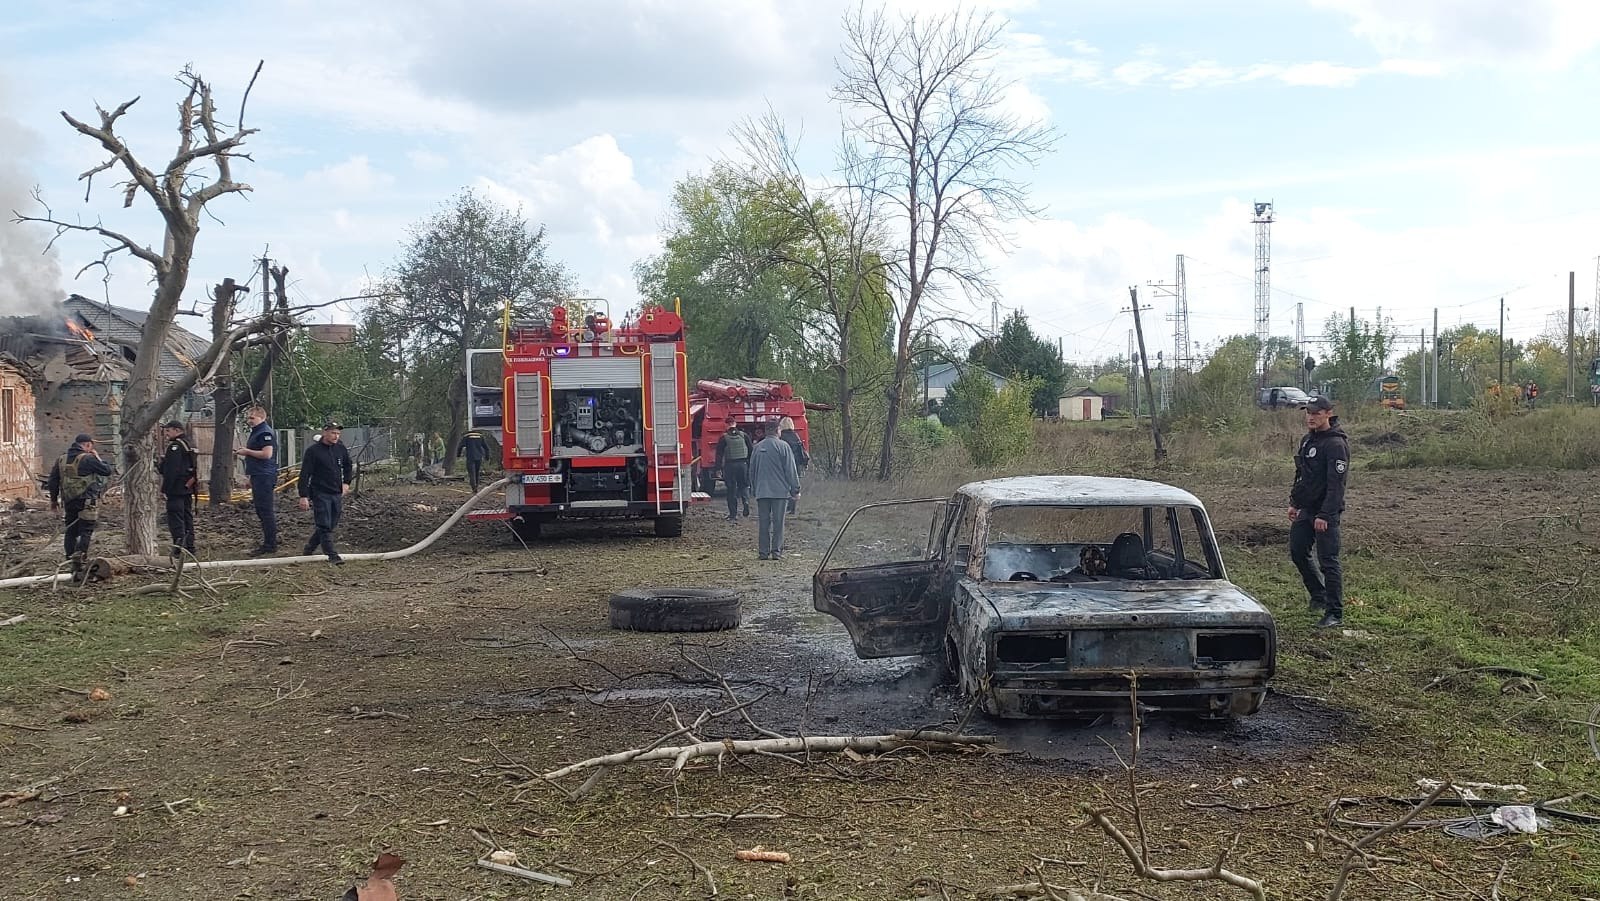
[(592, 419), (718, 405)]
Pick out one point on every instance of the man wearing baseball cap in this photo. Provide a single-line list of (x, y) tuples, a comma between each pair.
[(325, 474), (1316, 503)]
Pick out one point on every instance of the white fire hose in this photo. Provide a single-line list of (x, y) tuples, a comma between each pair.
[(284, 561)]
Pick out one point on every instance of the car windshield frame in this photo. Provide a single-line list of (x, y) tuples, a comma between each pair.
[(1169, 555)]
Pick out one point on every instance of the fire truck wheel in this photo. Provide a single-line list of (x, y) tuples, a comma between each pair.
[(675, 609), (669, 526)]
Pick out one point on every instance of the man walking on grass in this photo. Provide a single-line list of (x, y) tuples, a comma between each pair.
[(325, 474), (774, 479), (1316, 503)]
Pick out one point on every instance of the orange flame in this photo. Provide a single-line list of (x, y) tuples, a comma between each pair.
[(80, 331)]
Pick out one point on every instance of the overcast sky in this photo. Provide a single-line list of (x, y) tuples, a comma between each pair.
[(1420, 153)]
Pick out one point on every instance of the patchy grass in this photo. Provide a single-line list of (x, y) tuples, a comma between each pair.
[(76, 638), (1552, 438)]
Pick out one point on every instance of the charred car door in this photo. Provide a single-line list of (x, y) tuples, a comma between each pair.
[(881, 577)]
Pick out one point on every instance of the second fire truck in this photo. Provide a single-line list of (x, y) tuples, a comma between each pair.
[(592, 419)]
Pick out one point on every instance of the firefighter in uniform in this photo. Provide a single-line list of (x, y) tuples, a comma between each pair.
[(179, 470), (1316, 503), (76, 481), (476, 450)]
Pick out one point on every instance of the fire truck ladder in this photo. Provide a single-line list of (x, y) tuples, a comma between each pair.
[(669, 500)]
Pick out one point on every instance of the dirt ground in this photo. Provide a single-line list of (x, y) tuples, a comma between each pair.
[(410, 706)]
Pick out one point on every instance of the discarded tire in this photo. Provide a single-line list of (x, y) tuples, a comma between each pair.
[(675, 609)]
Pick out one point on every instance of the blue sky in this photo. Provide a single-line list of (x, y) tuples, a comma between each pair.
[(1420, 153)]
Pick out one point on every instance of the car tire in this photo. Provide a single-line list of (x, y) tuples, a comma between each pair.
[(669, 526), (675, 610)]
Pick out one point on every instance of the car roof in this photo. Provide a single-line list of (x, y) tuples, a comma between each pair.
[(1075, 491)]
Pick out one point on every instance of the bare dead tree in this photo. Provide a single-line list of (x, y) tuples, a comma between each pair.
[(930, 142), (180, 194), (841, 261), (224, 405)]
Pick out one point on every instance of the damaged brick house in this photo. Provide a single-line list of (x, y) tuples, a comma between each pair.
[(80, 361), (19, 447)]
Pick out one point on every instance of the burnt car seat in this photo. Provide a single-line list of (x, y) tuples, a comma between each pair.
[(1126, 559)]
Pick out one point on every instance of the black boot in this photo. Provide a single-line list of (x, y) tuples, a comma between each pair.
[(1330, 620)]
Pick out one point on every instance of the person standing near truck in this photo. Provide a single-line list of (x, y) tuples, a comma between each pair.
[(76, 482), (325, 474), (476, 450), (179, 470), (1316, 504), (787, 432), (260, 453), (775, 481), (733, 456)]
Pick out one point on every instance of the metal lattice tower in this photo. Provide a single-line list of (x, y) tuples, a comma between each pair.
[(1179, 317), (1263, 223)]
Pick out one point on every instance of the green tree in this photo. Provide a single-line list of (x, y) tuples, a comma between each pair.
[(1017, 351), (355, 383), (1224, 390), (724, 255), (1001, 430), (1356, 354), (454, 277), (972, 390)]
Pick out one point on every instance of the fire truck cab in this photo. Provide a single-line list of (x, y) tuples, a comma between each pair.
[(592, 419)]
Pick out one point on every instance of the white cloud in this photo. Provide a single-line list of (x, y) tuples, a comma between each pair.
[(354, 176), (1547, 33), (427, 160)]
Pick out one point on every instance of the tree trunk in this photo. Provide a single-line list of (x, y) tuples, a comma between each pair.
[(847, 427), (902, 364), (224, 412), (457, 405)]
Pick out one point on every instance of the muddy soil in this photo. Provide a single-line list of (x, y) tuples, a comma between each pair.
[(410, 707)]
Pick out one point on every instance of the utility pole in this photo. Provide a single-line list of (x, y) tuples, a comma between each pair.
[(1500, 356), (1300, 342), (1572, 320), (994, 319), (266, 310), (1144, 363), (1133, 376), (1422, 367), (1263, 224), (1435, 397)]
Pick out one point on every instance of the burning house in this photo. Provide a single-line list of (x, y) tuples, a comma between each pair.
[(78, 363)]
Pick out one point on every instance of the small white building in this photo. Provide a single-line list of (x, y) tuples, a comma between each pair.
[(1082, 404)]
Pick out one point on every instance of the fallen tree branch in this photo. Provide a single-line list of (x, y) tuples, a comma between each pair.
[(681, 755), (13, 620), (1360, 848), (698, 866), (521, 873)]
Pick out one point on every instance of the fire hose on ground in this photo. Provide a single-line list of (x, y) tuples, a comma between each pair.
[(257, 562)]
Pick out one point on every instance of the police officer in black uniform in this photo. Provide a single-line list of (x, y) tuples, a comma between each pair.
[(476, 450), (76, 481), (1316, 503), (179, 469), (325, 474)]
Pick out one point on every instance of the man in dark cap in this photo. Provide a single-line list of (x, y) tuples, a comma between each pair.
[(1316, 503), (179, 470), (325, 474), (76, 480)]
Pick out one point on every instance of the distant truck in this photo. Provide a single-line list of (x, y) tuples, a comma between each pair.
[(719, 405)]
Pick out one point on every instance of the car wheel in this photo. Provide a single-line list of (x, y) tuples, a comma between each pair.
[(675, 609), (949, 664)]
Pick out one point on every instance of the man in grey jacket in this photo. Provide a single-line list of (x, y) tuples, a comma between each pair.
[(774, 479)]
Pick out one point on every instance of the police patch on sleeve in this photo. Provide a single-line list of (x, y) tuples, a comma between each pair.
[(1339, 466), (1311, 452)]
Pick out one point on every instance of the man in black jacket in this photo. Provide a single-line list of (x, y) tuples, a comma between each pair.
[(476, 450), (325, 474), (178, 468), (76, 481), (1316, 503)]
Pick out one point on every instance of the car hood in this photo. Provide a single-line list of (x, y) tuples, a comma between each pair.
[(1036, 605)]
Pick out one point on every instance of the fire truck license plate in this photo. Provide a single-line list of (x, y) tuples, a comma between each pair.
[(548, 478)]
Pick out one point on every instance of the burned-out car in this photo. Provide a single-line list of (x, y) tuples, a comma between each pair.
[(1044, 593)]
